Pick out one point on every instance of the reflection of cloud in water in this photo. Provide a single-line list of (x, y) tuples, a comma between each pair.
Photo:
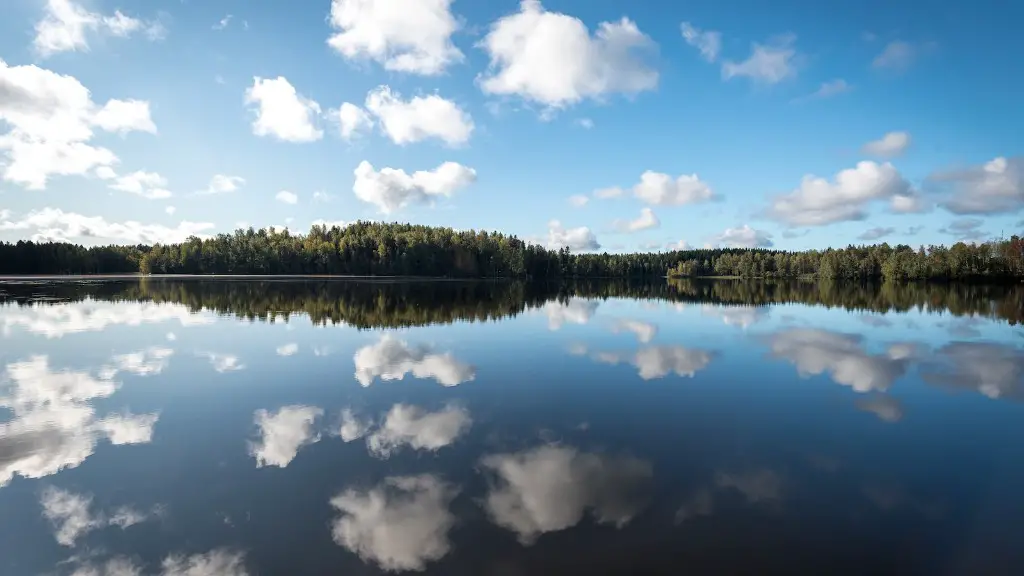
[(54, 426), (549, 488), (659, 361), (148, 362), (217, 562), (964, 327), (842, 356), (392, 359), (289, 349), (887, 408), (353, 427), (72, 518), (995, 370), (700, 504), (644, 331), (58, 320), (283, 433), (741, 316), (223, 362), (401, 524), (874, 320), (416, 428), (756, 486), (573, 311)]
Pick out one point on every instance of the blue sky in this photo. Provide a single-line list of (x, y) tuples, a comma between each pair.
[(506, 115)]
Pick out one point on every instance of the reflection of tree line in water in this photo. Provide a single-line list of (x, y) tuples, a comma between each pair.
[(377, 304)]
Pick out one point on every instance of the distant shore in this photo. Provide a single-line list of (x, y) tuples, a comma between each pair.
[(138, 276)]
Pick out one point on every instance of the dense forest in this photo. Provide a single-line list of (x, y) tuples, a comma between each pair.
[(380, 249), (388, 304)]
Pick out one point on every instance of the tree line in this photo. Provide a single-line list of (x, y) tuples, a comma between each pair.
[(393, 249), (373, 304)]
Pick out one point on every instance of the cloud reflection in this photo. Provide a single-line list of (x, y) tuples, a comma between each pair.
[(72, 516), (886, 408), (54, 425), (223, 362), (416, 428), (549, 488), (655, 362), (392, 359), (283, 433), (216, 562), (148, 362), (741, 316), (572, 311), (995, 370), (353, 427), (59, 320), (644, 331), (401, 524)]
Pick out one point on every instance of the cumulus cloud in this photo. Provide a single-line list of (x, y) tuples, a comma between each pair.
[(287, 197), (54, 424), (72, 517), (818, 202), (411, 36), (551, 487), (223, 362), (842, 357), (741, 316), (552, 59), (965, 229), (412, 426), (392, 359), (55, 225), (288, 349), (579, 239), (350, 119), (996, 370), (992, 188), (646, 221), (149, 185), (708, 42), (745, 237), (58, 320), (768, 63), (392, 189), (66, 24), (876, 233), (283, 433), (281, 112), (890, 145), (147, 362), (50, 119), (571, 311), (677, 245), (644, 331), (655, 362), (222, 184), (400, 524), (353, 427), (419, 118), (659, 189)]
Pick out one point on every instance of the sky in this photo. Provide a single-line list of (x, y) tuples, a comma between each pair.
[(593, 124)]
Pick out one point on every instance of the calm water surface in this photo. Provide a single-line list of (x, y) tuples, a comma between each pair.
[(201, 428)]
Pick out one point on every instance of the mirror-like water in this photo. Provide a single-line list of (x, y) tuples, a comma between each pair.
[(355, 427)]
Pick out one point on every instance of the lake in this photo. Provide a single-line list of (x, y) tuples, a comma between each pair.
[(161, 426)]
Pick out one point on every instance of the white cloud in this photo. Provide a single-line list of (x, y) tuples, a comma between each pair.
[(818, 202), (578, 200), (550, 488), (288, 349), (53, 224), (65, 25), (392, 359), (644, 331), (742, 316), (401, 524), (890, 145), (992, 188), (572, 311), (353, 427), (283, 433), (745, 237), (411, 36), (71, 515), (50, 119), (287, 197), (842, 356), (146, 362), (419, 118), (321, 196), (995, 370), (223, 362), (579, 239), (222, 23), (655, 362), (658, 189), (585, 123), (281, 112), (769, 63), (646, 221), (552, 59), (418, 429), (222, 183), (216, 562), (391, 189), (170, 210), (149, 185), (58, 320), (351, 120), (53, 423), (708, 42), (679, 245), (897, 55)]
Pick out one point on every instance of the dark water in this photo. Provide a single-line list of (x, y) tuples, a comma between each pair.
[(201, 428)]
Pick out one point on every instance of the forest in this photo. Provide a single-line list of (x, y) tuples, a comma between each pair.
[(372, 304), (394, 249)]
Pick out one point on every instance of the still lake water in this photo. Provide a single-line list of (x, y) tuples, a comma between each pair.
[(228, 427)]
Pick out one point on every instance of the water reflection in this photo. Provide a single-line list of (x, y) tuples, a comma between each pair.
[(203, 427)]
